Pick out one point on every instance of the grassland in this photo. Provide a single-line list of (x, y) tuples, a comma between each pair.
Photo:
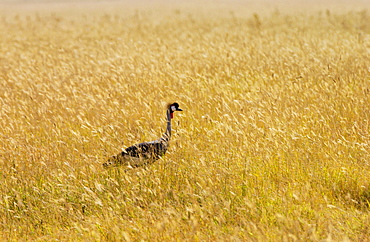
[(273, 143)]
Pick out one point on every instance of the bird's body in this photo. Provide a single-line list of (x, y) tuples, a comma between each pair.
[(147, 152)]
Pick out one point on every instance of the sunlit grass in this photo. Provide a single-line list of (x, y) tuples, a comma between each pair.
[(273, 143)]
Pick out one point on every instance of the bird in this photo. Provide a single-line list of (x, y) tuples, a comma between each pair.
[(147, 152)]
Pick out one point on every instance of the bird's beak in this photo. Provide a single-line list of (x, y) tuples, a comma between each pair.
[(178, 109)]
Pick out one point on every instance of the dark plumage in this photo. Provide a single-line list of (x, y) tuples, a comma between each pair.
[(147, 152)]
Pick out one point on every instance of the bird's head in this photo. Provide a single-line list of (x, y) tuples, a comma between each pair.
[(172, 108)]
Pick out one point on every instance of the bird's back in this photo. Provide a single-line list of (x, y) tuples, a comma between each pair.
[(148, 150), (139, 154)]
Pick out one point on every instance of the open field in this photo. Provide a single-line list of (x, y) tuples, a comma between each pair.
[(273, 143)]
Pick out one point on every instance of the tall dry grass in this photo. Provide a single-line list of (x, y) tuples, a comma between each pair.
[(273, 143)]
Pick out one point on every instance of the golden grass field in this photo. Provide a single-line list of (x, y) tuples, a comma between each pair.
[(273, 143)]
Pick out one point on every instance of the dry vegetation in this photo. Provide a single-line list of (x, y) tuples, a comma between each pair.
[(273, 143)]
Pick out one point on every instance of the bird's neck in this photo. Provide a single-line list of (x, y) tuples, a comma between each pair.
[(167, 134)]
